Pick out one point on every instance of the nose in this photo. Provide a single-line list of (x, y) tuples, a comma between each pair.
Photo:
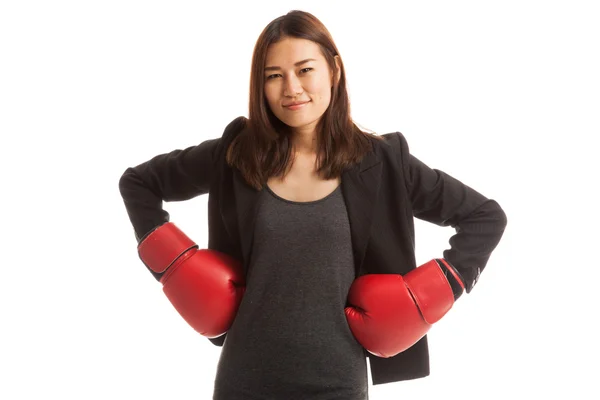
[(292, 87)]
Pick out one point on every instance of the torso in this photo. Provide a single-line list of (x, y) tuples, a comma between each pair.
[(302, 184)]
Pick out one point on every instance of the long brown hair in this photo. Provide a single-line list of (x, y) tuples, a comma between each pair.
[(263, 148)]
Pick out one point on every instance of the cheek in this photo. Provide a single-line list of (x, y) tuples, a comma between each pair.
[(270, 96), (319, 86), (268, 92)]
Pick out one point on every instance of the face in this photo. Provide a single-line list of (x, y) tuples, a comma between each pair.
[(290, 78)]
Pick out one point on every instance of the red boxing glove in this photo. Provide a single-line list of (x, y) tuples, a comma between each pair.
[(388, 313), (205, 286)]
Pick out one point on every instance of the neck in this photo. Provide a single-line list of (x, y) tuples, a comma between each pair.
[(304, 143)]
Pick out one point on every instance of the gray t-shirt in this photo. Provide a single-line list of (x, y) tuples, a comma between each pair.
[(290, 339)]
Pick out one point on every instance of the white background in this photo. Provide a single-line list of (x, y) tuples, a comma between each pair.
[(501, 95)]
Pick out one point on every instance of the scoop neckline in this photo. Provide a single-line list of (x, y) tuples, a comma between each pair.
[(303, 202)]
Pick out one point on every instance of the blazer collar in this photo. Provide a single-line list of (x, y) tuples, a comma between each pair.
[(360, 187)]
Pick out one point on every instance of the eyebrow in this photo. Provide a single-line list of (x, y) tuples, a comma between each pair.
[(296, 64)]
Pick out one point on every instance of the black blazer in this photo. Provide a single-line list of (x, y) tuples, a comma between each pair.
[(382, 193)]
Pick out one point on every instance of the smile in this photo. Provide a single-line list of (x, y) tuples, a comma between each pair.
[(297, 106)]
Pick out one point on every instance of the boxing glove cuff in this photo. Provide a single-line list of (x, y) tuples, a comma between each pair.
[(431, 291), (455, 279), (159, 249)]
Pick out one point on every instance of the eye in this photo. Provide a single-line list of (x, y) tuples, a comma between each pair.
[(275, 75)]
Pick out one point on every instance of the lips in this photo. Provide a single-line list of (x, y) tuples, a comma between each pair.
[(295, 104)]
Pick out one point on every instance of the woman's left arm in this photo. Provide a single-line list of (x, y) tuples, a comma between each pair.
[(443, 200)]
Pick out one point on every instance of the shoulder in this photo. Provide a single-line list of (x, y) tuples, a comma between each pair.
[(392, 144), (231, 131), (234, 128), (394, 141)]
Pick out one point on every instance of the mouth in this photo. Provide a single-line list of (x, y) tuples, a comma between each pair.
[(297, 106)]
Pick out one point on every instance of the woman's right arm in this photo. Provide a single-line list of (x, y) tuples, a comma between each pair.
[(175, 176)]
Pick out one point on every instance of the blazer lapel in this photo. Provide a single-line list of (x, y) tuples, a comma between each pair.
[(360, 187)]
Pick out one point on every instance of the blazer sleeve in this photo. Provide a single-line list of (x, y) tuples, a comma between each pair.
[(175, 176), (441, 199)]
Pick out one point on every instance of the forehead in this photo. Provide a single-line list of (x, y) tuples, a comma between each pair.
[(290, 50)]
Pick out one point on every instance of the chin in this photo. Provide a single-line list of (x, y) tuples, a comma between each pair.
[(300, 121), (298, 125)]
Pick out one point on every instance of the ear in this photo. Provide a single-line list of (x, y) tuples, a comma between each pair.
[(338, 63)]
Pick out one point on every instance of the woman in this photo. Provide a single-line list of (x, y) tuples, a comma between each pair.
[(303, 206)]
